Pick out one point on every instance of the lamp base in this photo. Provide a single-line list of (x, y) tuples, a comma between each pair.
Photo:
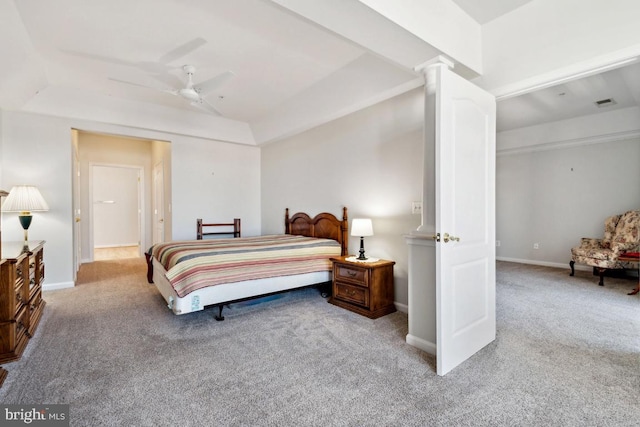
[(361, 256), (25, 221)]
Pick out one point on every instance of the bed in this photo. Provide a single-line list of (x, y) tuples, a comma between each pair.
[(194, 274)]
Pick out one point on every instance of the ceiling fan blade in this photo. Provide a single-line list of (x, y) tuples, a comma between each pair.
[(181, 51), (171, 91), (100, 58), (208, 86), (204, 105)]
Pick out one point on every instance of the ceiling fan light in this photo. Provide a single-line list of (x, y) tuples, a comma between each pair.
[(190, 94)]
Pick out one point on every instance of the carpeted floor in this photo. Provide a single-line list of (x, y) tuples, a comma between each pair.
[(567, 353)]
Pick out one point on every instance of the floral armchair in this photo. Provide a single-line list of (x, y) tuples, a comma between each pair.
[(621, 236)]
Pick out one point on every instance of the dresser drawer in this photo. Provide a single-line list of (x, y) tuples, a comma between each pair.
[(352, 274), (19, 275), (20, 300), (35, 299), (22, 323), (352, 294), (36, 307)]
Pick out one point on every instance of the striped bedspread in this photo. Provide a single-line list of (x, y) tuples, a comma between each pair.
[(195, 264)]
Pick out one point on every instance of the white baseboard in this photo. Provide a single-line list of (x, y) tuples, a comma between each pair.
[(117, 245), (401, 307), (423, 345), (57, 286), (544, 263)]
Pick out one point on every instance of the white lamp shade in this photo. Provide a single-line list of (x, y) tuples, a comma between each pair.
[(361, 227), (24, 198)]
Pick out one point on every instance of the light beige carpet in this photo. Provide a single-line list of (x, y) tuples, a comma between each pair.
[(567, 353)]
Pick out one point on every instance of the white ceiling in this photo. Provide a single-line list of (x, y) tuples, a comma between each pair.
[(572, 99), (273, 54), (488, 10), (282, 63)]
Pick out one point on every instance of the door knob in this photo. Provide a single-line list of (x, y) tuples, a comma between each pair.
[(448, 237), (436, 237)]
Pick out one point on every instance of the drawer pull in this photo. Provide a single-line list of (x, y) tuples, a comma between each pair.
[(352, 273)]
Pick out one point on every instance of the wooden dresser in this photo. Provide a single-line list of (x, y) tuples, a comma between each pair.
[(363, 287), (21, 303)]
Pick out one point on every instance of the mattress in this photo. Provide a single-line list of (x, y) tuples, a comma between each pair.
[(196, 264)]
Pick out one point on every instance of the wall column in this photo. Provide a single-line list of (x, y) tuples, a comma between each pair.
[(422, 248)]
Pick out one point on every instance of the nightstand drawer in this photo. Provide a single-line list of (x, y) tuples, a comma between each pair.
[(353, 294), (352, 274)]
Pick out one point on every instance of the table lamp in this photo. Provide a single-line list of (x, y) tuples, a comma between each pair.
[(361, 227), (25, 199)]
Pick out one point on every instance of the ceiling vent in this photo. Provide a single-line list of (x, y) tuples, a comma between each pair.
[(605, 102)]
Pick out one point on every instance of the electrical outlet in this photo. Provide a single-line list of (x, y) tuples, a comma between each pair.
[(536, 246), (497, 242), (416, 207)]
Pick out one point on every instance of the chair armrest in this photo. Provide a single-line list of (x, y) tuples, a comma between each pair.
[(619, 248)]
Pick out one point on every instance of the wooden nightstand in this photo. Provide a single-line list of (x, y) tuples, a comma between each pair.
[(363, 287)]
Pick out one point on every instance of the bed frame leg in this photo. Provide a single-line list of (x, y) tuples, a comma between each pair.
[(219, 317)]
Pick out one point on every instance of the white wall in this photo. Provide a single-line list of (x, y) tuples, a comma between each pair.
[(556, 196), (369, 161), (37, 149), (215, 182)]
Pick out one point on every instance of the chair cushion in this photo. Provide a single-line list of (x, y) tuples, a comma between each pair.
[(594, 253)]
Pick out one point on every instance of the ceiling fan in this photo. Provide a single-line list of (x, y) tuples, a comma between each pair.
[(195, 93), (161, 66)]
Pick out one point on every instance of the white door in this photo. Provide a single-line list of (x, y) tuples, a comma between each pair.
[(158, 204), (465, 209), (77, 227), (116, 207)]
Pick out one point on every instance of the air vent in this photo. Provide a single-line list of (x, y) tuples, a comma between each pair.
[(605, 102)]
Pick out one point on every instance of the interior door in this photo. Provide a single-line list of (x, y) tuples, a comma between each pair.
[(465, 219), (158, 203), (77, 229), (116, 207)]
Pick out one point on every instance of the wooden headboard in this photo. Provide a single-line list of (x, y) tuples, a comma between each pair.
[(324, 225)]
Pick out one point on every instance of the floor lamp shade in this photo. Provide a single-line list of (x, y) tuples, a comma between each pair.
[(25, 199), (361, 227)]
